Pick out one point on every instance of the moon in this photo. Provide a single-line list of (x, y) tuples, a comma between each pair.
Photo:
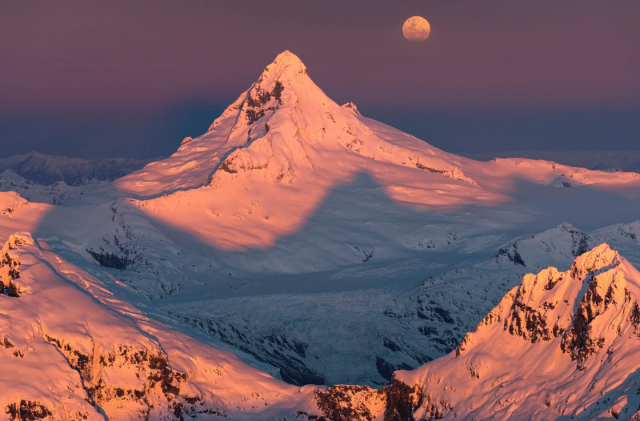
[(416, 29)]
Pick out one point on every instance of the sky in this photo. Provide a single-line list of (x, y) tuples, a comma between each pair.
[(92, 79)]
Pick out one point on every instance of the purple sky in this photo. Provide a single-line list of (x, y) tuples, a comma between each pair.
[(132, 78)]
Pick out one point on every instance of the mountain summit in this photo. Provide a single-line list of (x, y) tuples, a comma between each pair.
[(294, 125), (273, 157), (253, 104)]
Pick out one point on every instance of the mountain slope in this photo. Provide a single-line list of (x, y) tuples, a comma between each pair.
[(562, 345), (571, 334), (84, 354), (567, 346), (276, 155)]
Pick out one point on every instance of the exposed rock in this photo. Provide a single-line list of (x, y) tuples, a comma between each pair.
[(394, 402), (347, 403), (111, 260), (585, 337), (9, 267), (510, 254), (158, 385), (28, 411)]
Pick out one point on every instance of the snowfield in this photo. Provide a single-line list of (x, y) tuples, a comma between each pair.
[(299, 243)]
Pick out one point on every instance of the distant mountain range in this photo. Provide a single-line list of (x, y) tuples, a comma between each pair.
[(592, 160), (48, 169)]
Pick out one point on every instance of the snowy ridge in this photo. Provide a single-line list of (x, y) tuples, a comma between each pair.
[(56, 193), (559, 246), (95, 356), (572, 336), (594, 160), (47, 169)]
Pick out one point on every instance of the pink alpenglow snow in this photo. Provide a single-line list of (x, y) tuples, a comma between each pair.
[(274, 155), (298, 243)]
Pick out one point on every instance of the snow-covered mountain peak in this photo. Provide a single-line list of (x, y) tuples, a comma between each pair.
[(286, 66), (278, 153), (544, 305), (265, 95), (285, 124), (597, 259), (567, 343)]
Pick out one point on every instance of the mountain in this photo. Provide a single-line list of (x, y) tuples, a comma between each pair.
[(56, 193), (567, 347), (561, 345), (72, 351), (275, 157), (47, 169), (314, 244), (291, 202)]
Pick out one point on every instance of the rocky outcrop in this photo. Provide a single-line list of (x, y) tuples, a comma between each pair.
[(28, 411), (607, 293), (511, 254), (9, 267), (497, 315), (107, 377), (394, 402), (345, 402), (543, 308), (111, 260)]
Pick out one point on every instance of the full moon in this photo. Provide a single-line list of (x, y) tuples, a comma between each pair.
[(416, 29)]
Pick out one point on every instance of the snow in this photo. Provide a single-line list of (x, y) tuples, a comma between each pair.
[(64, 313), (47, 169), (595, 160), (301, 239), (540, 370)]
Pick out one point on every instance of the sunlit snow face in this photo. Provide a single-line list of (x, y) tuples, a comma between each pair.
[(416, 29)]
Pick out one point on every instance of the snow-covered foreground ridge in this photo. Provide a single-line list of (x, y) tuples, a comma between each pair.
[(72, 351), (561, 344)]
